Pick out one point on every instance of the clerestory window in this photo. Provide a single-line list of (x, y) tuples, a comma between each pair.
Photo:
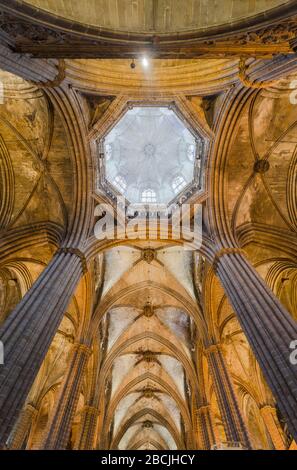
[(148, 195), (178, 184), (120, 183)]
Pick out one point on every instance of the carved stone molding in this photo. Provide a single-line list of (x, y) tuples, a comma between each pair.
[(27, 35), (273, 34)]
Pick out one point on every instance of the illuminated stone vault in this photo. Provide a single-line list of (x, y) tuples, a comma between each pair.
[(151, 155)]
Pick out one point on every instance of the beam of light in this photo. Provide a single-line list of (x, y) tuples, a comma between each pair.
[(145, 62)]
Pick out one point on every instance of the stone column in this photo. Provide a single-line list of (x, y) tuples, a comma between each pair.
[(37, 433), (87, 428), (28, 332), (267, 325), (205, 427), (59, 425), (22, 428), (234, 425), (269, 416)]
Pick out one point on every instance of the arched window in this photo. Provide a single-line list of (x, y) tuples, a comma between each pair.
[(178, 184), (120, 183), (191, 150), (148, 195), (108, 151)]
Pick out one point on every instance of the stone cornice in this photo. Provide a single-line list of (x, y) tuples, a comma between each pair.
[(31, 30)]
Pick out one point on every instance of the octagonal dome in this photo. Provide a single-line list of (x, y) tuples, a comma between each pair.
[(151, 155)]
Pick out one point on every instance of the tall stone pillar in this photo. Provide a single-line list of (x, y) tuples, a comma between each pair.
[(22, 428), (28, 331), (87, 428), (36, 438), (269, 416), (59, 425), (234, 425), (205, 427), (269, 328)]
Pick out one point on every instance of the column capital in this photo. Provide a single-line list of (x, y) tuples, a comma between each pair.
[(20, 431), (31, 407), (77, 252), (267, 407), (269, 415), (91, 410), (203, 409), (223, 252), (213, 348), (82, 348)]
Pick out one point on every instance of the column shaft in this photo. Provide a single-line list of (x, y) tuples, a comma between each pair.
[(22, 428), (59, 426), (234, 425), (28, 332), (268, 327), (87, 428), (205, 427), (268, 414)]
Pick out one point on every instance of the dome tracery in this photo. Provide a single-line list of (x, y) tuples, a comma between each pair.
[(151, 155)]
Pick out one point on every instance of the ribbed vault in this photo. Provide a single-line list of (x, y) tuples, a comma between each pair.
[(149, 323)]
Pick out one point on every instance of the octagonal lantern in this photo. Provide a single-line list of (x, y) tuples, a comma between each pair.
[(152, 156)]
